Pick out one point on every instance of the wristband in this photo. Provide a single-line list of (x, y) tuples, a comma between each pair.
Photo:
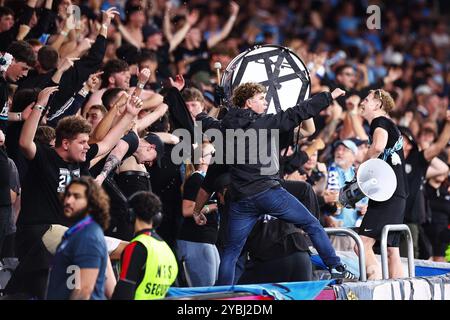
[(83, 92), (39, 107), (140, 85), (64, 33), (206, 209), (19, 116), (105, 26)]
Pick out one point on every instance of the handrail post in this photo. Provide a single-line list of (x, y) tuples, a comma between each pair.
[(359, 243), (384, 255)]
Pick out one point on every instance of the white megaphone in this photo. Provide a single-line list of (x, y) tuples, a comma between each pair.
[(375, 179)]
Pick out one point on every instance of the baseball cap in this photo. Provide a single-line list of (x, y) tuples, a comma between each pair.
[(423, 89), (155, 140), (349, 144)]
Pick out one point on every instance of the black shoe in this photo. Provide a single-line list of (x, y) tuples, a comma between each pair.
[(341, 272)]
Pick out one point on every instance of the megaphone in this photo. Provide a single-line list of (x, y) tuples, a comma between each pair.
[(375, 179)]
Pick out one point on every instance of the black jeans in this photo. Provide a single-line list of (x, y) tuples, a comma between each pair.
[(5, 215)]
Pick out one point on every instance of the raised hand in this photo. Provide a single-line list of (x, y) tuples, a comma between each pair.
[(93, 81), (234, 7), (134, 105), (45, 94), (66, 63), (178, 82), (393, 75), (108, 15), (192, 17), (337, 93), (85, 44), (144, 75), (121, 103)]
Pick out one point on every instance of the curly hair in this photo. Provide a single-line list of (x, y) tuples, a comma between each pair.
[(387, 102), (97, 200), (70, 127), (246, 91)]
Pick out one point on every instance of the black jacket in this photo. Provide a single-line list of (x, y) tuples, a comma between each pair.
[(254, 164), (72, 80)]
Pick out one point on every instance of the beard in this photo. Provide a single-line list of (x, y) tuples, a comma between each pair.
[(76, 216)]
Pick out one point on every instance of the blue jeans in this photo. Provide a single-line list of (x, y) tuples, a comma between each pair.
[(202, 261), (278, 203)]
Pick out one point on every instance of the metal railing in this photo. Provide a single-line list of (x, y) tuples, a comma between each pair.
[(383, 246), (359, 243)]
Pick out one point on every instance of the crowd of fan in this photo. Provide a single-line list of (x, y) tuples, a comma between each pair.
[(84, 72)]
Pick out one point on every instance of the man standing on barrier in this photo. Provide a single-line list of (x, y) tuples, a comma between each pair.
[(255, 185)]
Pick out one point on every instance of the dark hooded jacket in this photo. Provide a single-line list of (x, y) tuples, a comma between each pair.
[(251, 141)]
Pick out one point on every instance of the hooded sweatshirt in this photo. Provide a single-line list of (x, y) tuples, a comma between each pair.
[(251, 142)]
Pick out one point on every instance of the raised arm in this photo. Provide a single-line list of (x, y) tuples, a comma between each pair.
[(150, 118), (179, 36), (73, 105), (143, 77), (215, 39), (113, 160), (441, 142), (29, 128), (437, 167), (134, 105), (290, 118), (106, 123)]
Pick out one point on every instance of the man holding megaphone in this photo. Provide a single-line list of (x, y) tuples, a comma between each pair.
[(373, 180)]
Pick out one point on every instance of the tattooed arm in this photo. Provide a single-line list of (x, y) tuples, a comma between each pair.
[(113, 160)]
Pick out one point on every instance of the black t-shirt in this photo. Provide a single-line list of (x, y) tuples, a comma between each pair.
[(190, 231), (214, 171), (47, 177), (416, 167), (200, 55), (393, 135), (166, 184), (439, 203)]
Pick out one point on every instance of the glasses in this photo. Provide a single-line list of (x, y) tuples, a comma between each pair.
[(349, 74)]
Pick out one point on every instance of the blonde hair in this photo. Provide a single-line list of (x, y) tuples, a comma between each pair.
[(387, 102)]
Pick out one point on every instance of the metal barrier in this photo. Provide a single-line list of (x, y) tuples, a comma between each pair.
[(359, 243), (384, 256)]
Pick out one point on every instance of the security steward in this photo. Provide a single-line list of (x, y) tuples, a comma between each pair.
[(148, 265)]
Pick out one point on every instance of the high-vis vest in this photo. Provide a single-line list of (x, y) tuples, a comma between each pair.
[(161, 269)]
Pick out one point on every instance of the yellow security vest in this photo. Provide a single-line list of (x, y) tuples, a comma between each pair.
[(161, 269)]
